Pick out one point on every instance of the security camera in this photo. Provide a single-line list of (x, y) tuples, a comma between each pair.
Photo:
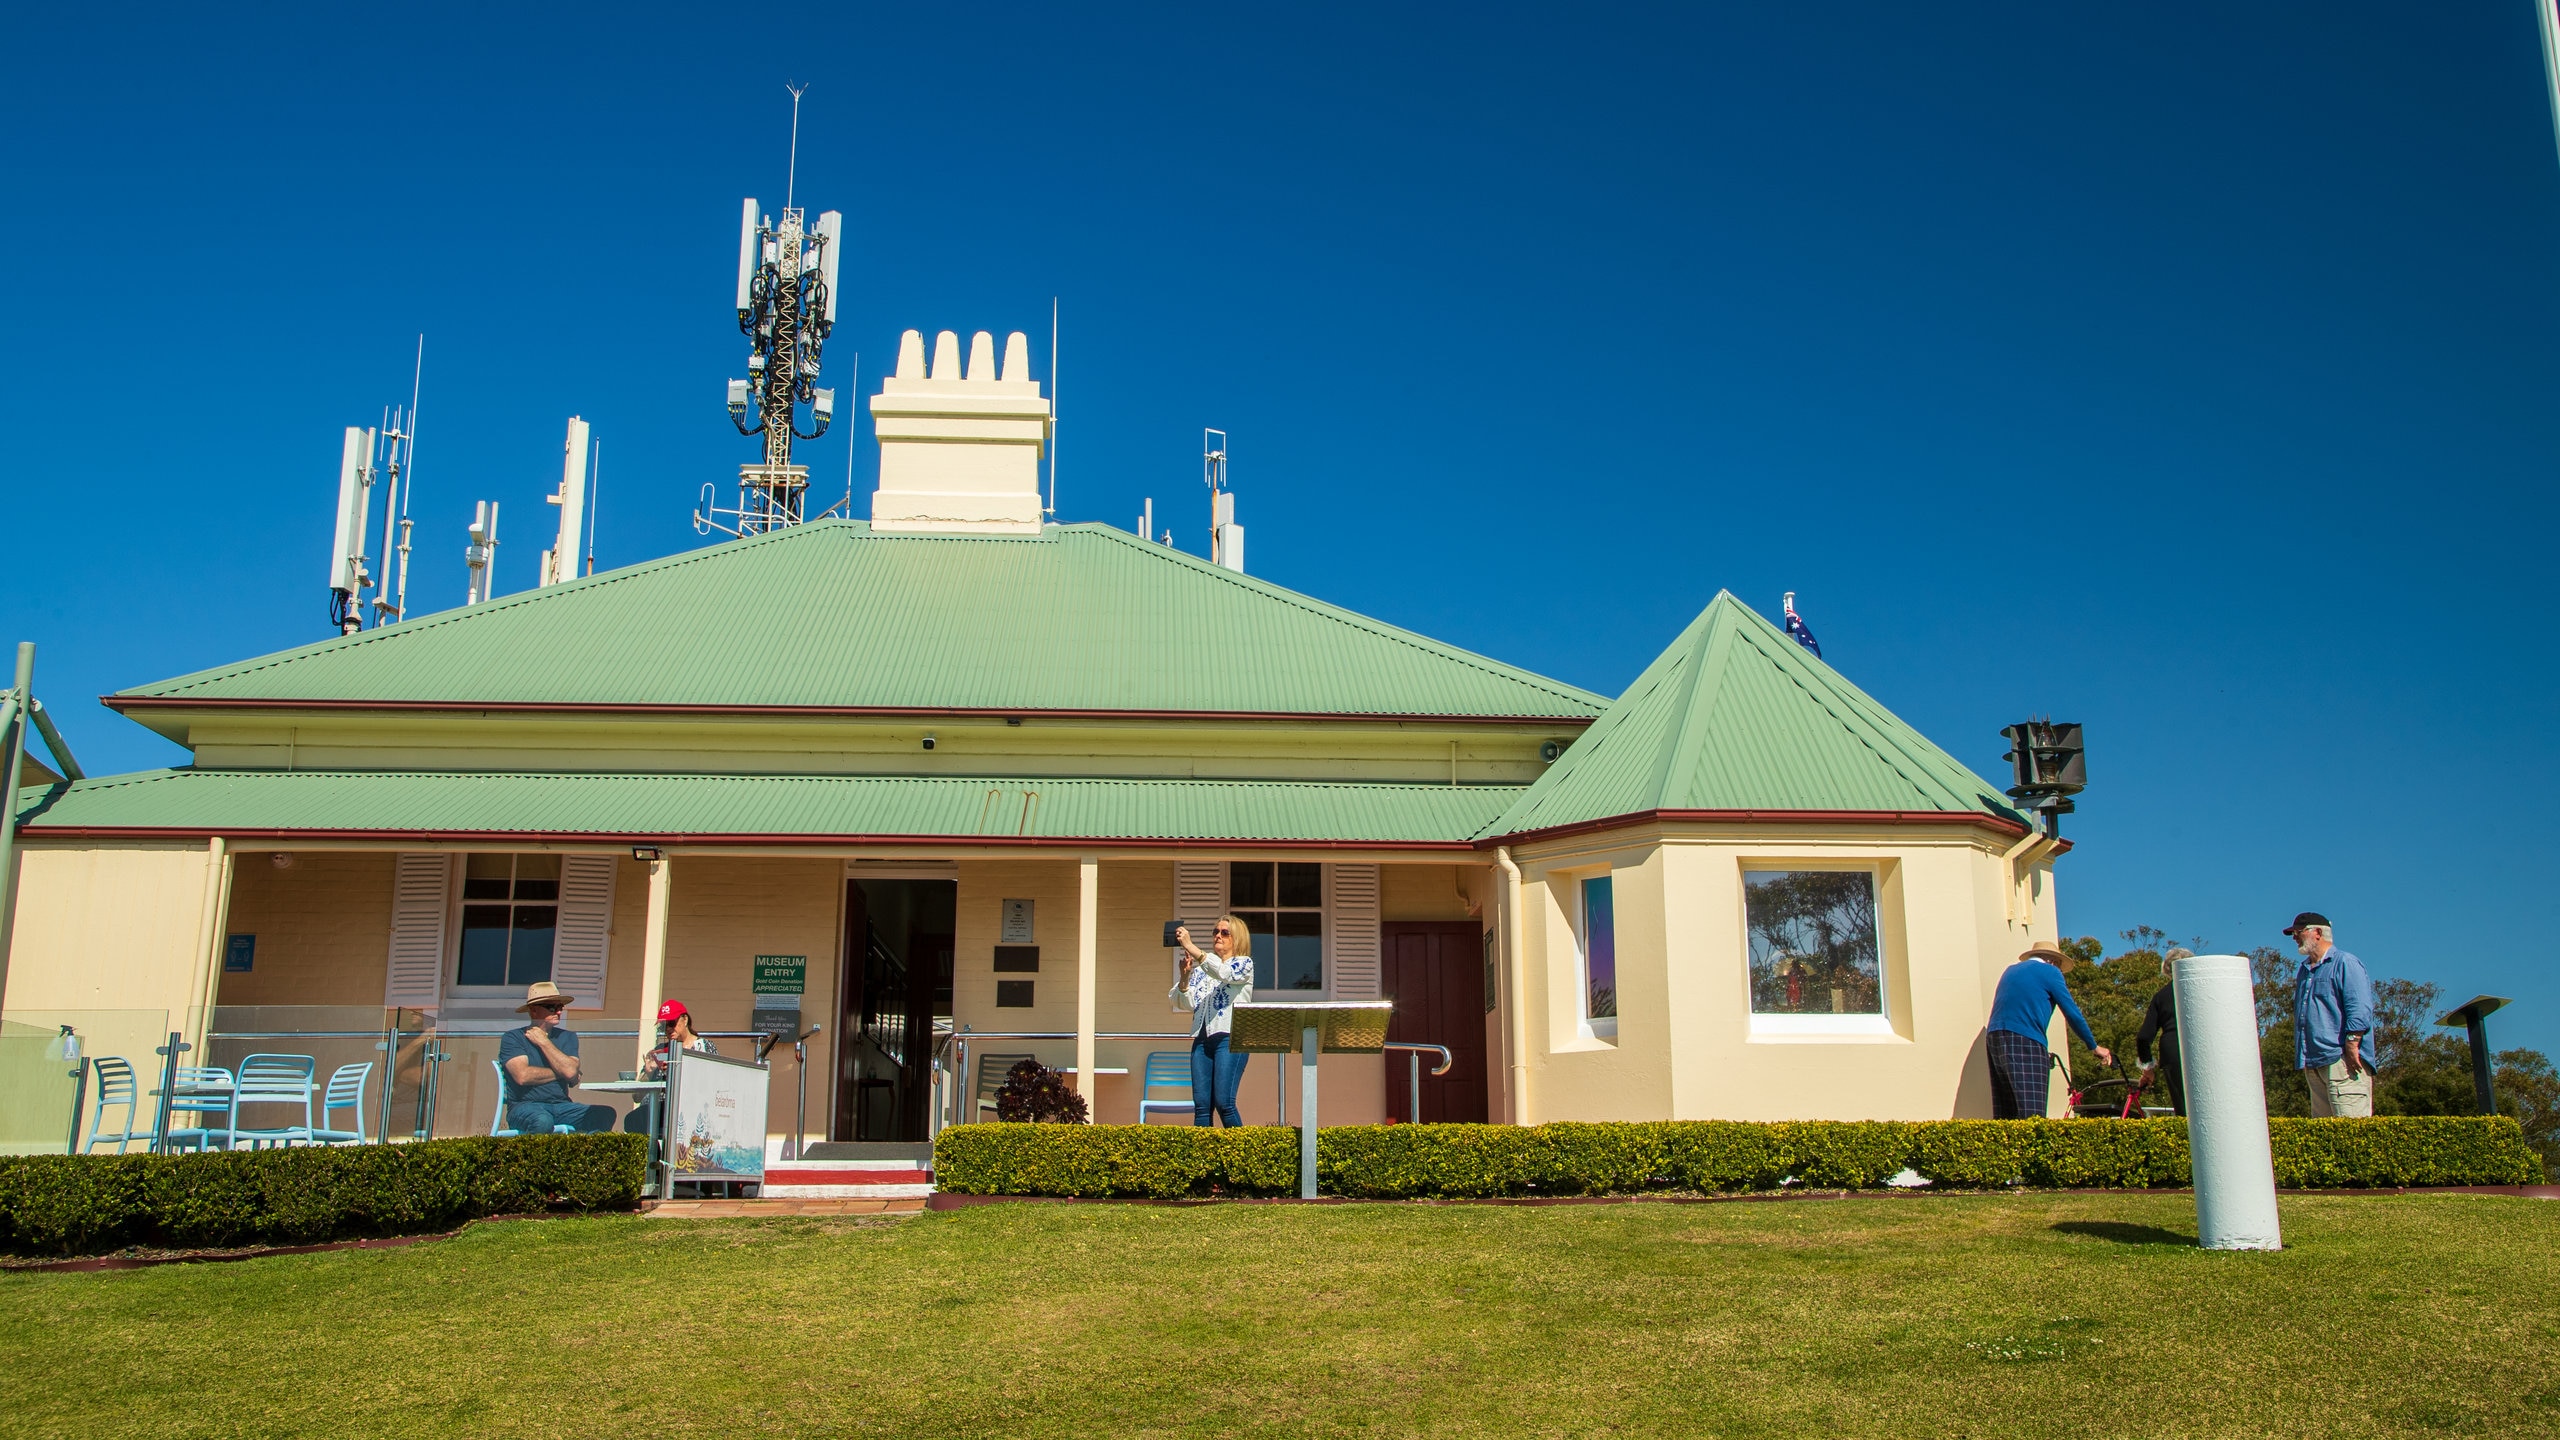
[(928, 742), (1550, 750)]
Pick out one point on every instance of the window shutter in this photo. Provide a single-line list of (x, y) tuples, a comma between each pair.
[(1351, 895), (1199, 898), (1199, 893), (586, 914), (413, 978)]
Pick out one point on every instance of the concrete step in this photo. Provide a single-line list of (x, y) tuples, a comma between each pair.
[(919, 1154), (872, 1178)]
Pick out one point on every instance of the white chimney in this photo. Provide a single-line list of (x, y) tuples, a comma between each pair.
[(960, 450)]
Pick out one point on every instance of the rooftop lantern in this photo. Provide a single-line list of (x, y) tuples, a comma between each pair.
[(2050, 768)]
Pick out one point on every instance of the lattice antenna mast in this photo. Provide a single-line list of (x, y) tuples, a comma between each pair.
[(786, 308)]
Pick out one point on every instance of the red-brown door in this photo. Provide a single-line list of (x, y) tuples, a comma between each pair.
[(1435, 974)]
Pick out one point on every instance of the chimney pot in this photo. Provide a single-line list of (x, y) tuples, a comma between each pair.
[(960, 452)]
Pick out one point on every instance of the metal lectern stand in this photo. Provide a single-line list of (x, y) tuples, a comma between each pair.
[(1335, 1027)]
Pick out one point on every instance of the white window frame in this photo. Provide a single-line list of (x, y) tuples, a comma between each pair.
[(1778, 1026), (1262, 993), (455, 881), (1602, 1027)]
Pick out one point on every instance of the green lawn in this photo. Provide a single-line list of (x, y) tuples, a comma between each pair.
[(2038, 1315)]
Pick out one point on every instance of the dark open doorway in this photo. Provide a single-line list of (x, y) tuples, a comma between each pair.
[(1435, 974), (894, 980)]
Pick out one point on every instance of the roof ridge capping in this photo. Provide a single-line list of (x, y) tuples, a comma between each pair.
[(1341, 614), (1735, 717), (897, 622)]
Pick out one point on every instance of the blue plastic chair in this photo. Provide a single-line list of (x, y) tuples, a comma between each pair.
[(1166, 1068), (498, 1123), (116, 1086), (273, 1080), (204, 1091), (345, 1092)]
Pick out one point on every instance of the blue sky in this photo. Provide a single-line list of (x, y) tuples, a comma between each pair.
[(2185, 371)]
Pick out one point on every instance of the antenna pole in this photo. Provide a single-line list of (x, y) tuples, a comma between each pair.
[(417, 376), (852, 435), (1053, 405), (392, 434), (791, 178), (595, 493)]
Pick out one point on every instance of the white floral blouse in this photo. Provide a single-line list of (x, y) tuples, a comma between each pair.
[(1214, 988)]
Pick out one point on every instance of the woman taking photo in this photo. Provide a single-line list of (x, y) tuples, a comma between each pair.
[(1211, 983)]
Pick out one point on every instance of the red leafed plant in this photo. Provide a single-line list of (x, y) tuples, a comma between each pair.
[(1032, 1091)]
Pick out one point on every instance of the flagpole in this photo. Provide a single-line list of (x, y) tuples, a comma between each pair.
[(2544, 13)]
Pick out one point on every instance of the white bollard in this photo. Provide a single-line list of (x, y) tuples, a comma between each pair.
[(2235, 1172)]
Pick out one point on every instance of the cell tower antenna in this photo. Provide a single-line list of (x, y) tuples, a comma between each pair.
[(417, 377), (1226, 537), (382, 455), (787, 300)]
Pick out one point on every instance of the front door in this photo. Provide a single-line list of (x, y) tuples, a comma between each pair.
[(1435, 974), (894, 981)]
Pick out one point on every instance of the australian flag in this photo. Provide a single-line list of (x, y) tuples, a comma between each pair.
[(1802, 632)]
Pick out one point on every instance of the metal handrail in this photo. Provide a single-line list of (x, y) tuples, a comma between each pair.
[(1415, 1048), (958, 1040)]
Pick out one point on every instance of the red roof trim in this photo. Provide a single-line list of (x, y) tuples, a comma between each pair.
[(1860, 817), (35, 830), (122, 704)]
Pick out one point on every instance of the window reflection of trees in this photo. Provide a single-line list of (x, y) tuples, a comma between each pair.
[(1813, 942)]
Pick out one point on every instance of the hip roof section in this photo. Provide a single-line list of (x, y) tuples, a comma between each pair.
[(1737, 717), (759, 808), (833, 616)]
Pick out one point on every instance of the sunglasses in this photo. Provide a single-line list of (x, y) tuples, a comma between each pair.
[(549, 1009), (1223, 932)]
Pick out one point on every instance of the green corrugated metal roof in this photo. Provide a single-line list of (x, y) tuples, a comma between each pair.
[(1737, 716), (676, 806), (1081, 617)]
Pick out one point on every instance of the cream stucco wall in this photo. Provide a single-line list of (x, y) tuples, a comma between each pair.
[(111, 925), (1685, 1046)]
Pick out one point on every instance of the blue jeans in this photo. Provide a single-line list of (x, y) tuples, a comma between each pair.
[(1215, 1073), (536, 1117)]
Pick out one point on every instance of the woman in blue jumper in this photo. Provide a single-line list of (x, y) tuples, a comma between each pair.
[(1212, 981), (2030, 991)]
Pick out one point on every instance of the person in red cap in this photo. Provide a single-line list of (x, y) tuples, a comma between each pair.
[(675, 1027)]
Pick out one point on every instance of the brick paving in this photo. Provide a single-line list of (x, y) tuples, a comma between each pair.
[(774, 1209)]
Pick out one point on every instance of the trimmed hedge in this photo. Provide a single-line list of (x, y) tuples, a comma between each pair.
[(91, 1204), (1407, 1162)]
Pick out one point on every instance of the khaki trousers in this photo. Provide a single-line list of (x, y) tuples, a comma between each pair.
[(2332, 1093)]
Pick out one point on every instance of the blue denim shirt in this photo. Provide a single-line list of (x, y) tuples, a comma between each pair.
[(2332, 999)]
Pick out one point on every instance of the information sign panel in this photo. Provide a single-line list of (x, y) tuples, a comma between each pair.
[(715, 1117)]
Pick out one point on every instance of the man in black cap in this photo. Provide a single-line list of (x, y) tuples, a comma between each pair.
[(2333, 1018)]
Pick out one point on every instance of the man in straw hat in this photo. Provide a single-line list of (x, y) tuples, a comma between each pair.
[(2030, 991), (541, 1063)]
